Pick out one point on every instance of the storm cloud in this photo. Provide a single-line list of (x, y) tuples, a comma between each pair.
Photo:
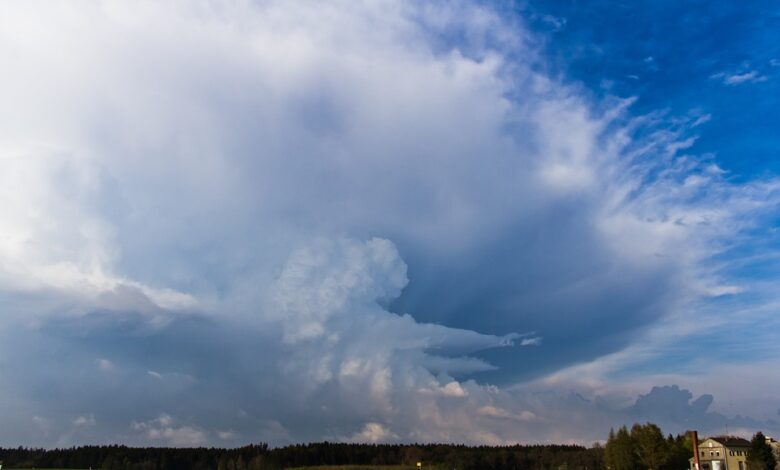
[(224, 223)]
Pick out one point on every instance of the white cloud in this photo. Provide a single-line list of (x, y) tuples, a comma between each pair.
[(703, 119), (372, 357), (82, 421), (43, 424), (164, 429), (55, 244), (326, 280), (557, 23), (533, 341), (737, 78), (501, 413), (451, 389), (374, 432), (285, 172), (105, 365)]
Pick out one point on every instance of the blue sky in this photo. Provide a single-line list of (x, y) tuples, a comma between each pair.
[(718, 57), (715, 59), (469, 222)]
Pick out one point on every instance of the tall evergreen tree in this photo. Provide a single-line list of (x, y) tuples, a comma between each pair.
[(679, 450), (649, 445), (620, 452), (760, 456), (609, 449)]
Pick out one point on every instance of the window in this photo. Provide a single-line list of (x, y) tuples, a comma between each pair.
[(717, 453)]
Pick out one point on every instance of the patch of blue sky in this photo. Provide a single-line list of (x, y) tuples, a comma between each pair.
[(714, 57), (731, 329), (717, 64)]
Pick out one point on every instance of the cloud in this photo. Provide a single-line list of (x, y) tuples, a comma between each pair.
[(374, 432), (451, 389), (703, 119), (42, 423), (749, 76), (105, 365), (501, 413), (88, 420), (672, 408), (163, 430), (330, 221), (326, 280), (536, 340), (556, 22)]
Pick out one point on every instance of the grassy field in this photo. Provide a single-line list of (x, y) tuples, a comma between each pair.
[(323, 467), (356, 467)]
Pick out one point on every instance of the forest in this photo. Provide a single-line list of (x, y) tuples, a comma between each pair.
[(642, 447), (255, 457)]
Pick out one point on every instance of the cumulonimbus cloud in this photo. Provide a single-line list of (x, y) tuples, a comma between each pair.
[(326, 221)]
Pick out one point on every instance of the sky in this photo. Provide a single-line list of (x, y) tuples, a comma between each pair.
[(234, 222)]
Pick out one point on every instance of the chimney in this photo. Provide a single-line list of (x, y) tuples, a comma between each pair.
[(695, 442)]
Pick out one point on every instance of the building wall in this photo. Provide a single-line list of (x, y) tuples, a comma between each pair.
[(735, 456), (776, 448), (711, 451)]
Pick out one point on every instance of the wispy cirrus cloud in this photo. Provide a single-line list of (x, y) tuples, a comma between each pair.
[(738, 78)]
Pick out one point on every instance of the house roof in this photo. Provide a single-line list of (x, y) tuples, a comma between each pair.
[(731, 441)]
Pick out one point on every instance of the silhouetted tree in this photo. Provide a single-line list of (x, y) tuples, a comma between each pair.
[(619, 451), (760, 456), (678, 451), (649, 444)]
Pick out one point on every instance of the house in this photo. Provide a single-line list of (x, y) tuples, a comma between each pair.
[(773, 444), (776, 449), (721, 453)]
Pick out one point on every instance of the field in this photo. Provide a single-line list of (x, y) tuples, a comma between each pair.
[(356, 467), (321, 467)]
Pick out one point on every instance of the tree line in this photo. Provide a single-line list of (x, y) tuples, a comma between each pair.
[(645, 447), (261, 457), (642, 447)]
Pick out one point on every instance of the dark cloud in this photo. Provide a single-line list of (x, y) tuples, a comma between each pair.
[(671, 408)]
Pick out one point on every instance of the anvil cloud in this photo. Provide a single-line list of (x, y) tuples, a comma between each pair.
[(380, 221)]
